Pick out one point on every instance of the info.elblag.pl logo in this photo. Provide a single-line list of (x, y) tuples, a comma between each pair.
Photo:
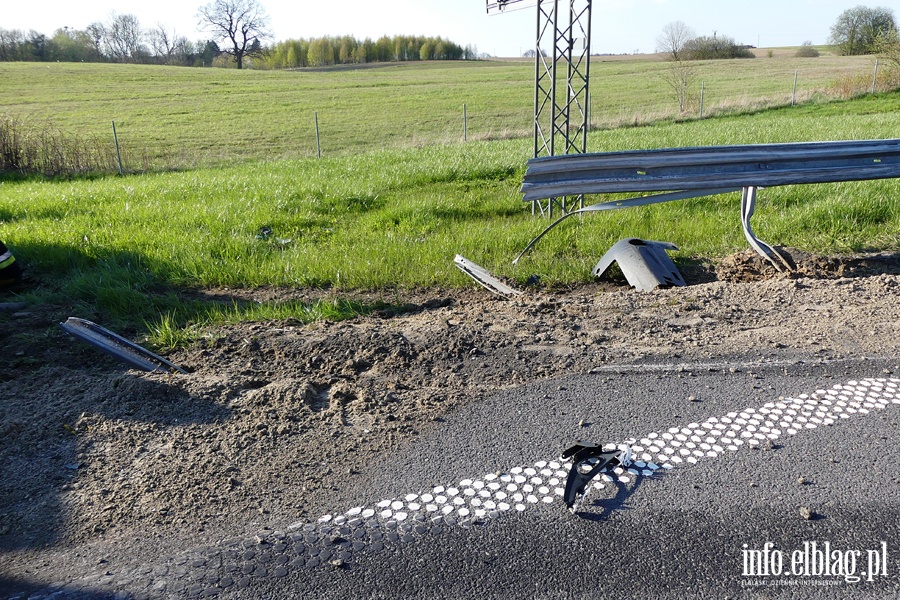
[(816, 559)]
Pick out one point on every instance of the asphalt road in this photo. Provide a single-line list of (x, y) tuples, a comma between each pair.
[(471, 510), (683, 532)]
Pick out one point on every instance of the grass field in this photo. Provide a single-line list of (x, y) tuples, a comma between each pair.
[(190, 117), (122, 250)]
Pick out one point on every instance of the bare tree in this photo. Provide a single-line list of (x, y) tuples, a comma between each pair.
[(123, 37), (167, 46), (96, 31), (673, 38), (242, 24), (161, 42), (887, 46), (681, 77)]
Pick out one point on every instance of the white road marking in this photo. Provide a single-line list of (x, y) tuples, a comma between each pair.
[(543, 483), (333, 539)]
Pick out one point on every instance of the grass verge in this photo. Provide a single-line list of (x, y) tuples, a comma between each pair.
[(121, 250)]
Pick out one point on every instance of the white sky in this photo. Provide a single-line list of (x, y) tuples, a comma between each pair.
[(619, 26)]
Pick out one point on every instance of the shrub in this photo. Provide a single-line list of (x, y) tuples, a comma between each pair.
[(709, 48), (851, 86), (807, 51)]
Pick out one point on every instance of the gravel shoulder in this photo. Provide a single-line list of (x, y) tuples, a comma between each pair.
[(278, 422)]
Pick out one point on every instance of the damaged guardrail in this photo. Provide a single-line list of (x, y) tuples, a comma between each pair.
[(692, 172), (117, 346)]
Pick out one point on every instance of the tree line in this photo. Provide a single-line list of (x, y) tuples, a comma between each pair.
[(119, 40), (344, 50), (122, 39)]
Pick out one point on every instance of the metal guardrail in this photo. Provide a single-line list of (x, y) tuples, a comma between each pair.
[(704, 171), (760, 165)]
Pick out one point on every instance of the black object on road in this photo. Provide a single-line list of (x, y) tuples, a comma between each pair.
[(588, 460)]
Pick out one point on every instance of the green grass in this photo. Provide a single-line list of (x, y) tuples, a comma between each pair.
[(188, 117), (128, 251)]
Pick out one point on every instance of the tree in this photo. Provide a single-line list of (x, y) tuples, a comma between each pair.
[(207, 51), (426, 52), (36, 43), (241, 24), (320, 53), (168, 47), (96, 32), (681, 77), (857, 29), (70, 45), (673, 38), (122, 37), (887, 46)]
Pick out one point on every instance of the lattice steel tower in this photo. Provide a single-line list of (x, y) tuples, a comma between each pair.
[(562, 66)]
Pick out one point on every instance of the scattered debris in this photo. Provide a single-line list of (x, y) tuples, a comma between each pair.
[(266, 232), (808, 514), (645, 264), (117, 346), (485, 279), (588, 460)]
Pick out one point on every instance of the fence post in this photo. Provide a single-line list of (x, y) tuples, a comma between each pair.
[(118, 152), (875, 76), (465, 125), (702, 91), (318, 143), (794, 91)]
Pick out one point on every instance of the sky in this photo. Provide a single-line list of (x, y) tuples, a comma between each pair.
[(618, 27)]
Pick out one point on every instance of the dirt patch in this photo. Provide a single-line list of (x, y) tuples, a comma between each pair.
[(277, 420)]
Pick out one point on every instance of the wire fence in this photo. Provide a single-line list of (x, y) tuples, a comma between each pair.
[(36, 146)]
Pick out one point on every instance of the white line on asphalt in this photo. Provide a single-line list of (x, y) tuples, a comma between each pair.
[(544, 482)]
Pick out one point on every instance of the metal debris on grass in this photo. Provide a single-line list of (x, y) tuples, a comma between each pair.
[(484, 278)]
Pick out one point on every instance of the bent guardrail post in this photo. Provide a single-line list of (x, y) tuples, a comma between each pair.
[(748, 206), (614, 204)]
